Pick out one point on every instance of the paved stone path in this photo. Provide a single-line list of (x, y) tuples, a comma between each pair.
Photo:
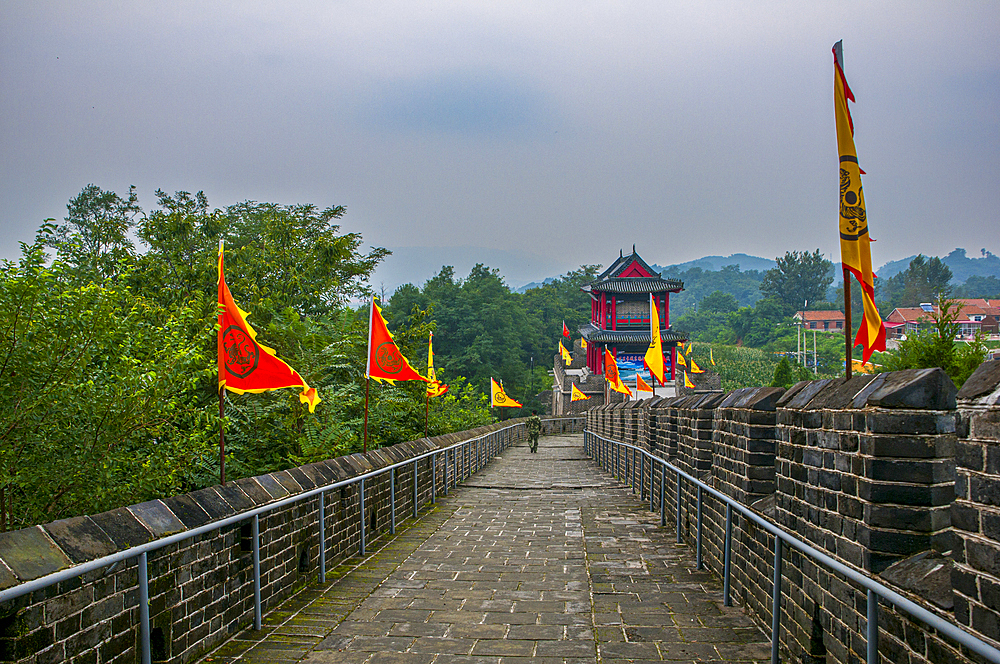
[(539, 556)]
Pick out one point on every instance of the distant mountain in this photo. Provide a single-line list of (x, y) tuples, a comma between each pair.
[(715, 263), (962, 267)]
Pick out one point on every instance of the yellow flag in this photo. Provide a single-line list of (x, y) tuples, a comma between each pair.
[(654, 354), (612, 376), (711, 356), (687, 381), (680, 356), (641, 385), (567, 358), (576, 394), (688, 351), (499, 399), (855, 243), (583, 344), (694, 367), (435, 388)]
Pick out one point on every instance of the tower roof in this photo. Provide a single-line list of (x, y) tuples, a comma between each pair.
[(631, 274)]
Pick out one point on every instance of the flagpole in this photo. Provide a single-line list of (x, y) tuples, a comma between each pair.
[(222, 437), (847, 323), (427, 412), (368, 383)]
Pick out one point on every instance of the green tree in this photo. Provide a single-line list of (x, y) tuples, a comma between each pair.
[(95, 238), (96, 388), (924, 280), (798, 277)]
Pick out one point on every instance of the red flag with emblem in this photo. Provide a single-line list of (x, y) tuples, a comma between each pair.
[(245, 365), (385, 361)]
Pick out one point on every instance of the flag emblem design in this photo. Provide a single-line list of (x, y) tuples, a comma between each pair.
[(241, 355)]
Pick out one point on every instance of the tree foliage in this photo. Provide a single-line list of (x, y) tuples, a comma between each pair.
[(924, 280), (799, 277)]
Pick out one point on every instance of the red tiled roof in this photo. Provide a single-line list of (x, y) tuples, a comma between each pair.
[(820, 315)]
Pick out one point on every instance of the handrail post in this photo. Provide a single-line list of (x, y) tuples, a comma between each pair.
[(679, 507), (663, 494), (434, 466), (255, 535), (652, 477), (698, 537), (872, 627), (361, 515), (727, 553), (144, 608), (776, 602), (322, 538), (415, 494), (392, 500)]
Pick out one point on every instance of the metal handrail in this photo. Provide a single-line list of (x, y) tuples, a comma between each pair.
[(873, 587), (497, 444)]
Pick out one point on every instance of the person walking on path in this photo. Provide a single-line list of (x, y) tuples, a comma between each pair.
[(534, 428)]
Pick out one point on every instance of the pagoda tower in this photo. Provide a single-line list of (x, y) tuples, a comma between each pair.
[(619, 315)]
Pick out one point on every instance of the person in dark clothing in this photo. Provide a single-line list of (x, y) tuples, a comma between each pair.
[(534, 429)]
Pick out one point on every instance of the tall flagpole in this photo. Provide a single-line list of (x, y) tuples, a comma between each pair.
[(427, 412), (222, 436), (368, 383)]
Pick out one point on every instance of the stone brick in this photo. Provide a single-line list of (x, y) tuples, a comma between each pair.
[(157, 517), (80, 538), (983, 381), (930, 389), (29, 553)]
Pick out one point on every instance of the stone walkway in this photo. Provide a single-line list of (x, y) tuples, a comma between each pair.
[(539, 556)]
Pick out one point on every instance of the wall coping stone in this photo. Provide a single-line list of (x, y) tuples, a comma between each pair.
[(802, 393), (838, 393), (155, 516), (80, 538), (124, 529), (30, 553), (187, 510), (930, 389), (984, 382), (926, 575)]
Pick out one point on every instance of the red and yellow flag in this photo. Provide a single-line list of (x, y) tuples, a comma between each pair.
[(385, 361), (565, 330), (583, 344), (855, 249), (435, 388), (576, 394), (654, 354), (641, 385), (499, 398), (694, 367), (680, 356), (567, 358), (611, 374), (245, 365), (687, 381)]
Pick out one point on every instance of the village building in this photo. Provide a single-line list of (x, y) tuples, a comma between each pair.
[(821, 321), (974, 315)]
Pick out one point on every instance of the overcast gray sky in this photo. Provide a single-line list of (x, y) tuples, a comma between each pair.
[(566, 129)]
